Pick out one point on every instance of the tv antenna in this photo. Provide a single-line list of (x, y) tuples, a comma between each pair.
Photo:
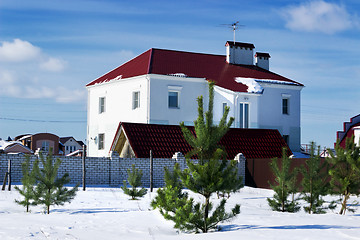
[(234, 26)]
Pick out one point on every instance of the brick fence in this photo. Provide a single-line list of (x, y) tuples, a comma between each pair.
[(101, 171)]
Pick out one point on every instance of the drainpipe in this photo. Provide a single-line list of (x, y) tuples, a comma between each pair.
[(148, 99), (236, 108)]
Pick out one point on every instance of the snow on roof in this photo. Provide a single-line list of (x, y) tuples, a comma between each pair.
[(8, 144), (253, 86), (4, 144), (24, 137), (178, 74), (275, 81), (74, 153)]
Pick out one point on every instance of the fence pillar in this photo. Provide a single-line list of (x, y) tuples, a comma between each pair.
[(83, 168), (179, 157), (151, 171), (241, 160)]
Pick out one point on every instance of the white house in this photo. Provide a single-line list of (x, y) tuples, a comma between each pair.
[(161, 86), (70, 145)]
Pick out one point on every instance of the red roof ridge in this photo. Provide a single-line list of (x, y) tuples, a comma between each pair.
[(181, 51)]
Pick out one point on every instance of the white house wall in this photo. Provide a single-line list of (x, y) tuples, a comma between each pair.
[(233, 100), (189, 89), (270, 111), (265, 110), (118, 108)]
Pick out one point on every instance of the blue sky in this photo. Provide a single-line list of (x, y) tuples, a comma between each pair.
[(49, 51)]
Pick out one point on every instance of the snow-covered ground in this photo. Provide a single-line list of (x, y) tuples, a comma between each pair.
[(106, 213)]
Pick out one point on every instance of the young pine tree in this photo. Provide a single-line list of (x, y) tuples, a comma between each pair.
[(315, 182), (28, 181), (50, 189), (170, 197), (345, 172), (285, 186), (213, 173), (134, 179)]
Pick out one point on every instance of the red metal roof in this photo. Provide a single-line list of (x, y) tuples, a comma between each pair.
[(165, 140), (348, 130), (197, 65)]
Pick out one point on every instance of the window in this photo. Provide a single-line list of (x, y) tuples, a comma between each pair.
[(101, 104), (45, 146), (244, 115), (285, 105), (67, 148), (136, 100), (101, 141), (286, 138), (224, 107), (173, 99)]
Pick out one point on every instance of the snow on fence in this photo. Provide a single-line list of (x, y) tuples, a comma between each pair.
[(102, 171)]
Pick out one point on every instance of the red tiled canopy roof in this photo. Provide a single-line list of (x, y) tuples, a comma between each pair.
[(165, 140), (197, 65)]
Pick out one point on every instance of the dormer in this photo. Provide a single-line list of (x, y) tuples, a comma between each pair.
[(239, 53), (262, 60)]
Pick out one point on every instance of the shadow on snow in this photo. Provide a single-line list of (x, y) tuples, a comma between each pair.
[(91, 210), (235, 227)]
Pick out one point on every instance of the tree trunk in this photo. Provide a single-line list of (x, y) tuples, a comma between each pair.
[(343, 204), (206, 212), (311, 197)]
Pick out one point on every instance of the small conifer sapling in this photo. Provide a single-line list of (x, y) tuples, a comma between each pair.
[(134, 179), (315, 182), (345, 173), (50, 189), (28, 183), (285, 185)]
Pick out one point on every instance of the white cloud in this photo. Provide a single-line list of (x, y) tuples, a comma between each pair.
[(18, 51), (319, 16), (68, 96), (53, 65), (37, 91), (20, 76)]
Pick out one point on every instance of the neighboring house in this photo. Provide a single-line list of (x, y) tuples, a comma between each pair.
[(161, 87), (136, 140), (13, 147), (70, 145), (41, 141), (349, 129)]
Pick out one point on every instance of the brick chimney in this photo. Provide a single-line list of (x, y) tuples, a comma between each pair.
[(239, 53), (262, 60)]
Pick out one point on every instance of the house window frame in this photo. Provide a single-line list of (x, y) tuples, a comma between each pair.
[(285, 108), (135, 100), (101, 141), (102, 105), (224, 104), (177, 90), (286, 138), (45, 146), (244, 115)]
